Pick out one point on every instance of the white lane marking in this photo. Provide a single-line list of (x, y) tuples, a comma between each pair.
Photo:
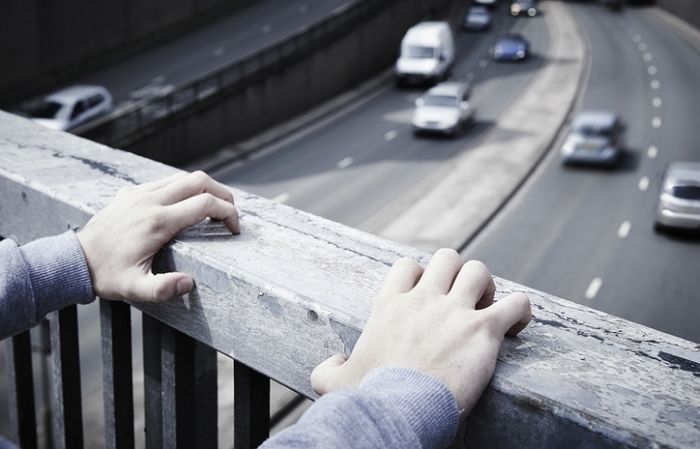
[(643, 183), (302, 8), (390, 135), (656, 122), (281, 198), (218, 52), (637, 38), (656, 102), (652, 70), (593, 288), (642, 47), (345, 163), (266, 28), (648, 57), (470, 76), (483, 63), (655, 84), (624, 229), (652, 152)]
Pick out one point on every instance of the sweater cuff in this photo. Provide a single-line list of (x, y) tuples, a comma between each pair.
[(58, 272), (427, 405)]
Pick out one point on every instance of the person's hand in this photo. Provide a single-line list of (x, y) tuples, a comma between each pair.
[(120, 241), (441, 321)]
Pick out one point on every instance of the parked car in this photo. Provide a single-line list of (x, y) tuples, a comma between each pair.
[(595, 138), (477, 18), (67, 108), (444, 109), (490, 4), (510, 47), (524, 8), (427, 54), (679, 201)]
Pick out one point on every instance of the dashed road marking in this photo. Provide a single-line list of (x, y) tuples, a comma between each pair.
[(593, 288), (391, 135), (656, 102), (642, 46), (648, 57), (470, 76), (483, 63), (652, 70), (624, 229), (158, 79), (656, 122), (218, 52), (655, 84), (266, 28), (345, 163), (302, 9), (281, 198), (652, 152), (643, 183), (637, 38)]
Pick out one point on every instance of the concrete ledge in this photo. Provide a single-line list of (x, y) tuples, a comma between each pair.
[(295, 288), (469, 189)]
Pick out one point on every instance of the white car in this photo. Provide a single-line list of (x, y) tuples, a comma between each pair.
[(427, 54), (67, 108), (444, 109)]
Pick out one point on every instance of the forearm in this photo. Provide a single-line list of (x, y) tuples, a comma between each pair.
[(392, 408), (40, 277)]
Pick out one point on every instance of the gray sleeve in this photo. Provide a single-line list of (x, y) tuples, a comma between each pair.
[(42, 276), (392, 408)]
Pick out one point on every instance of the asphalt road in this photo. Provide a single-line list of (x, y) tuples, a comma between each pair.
[(208, 48), (352, 164), (586, 235)]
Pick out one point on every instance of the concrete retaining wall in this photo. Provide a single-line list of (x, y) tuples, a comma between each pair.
[(233, 116), (41, 39), (688, 10)]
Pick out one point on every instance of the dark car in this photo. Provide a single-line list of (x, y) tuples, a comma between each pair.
[(523, 8), (510, 47)]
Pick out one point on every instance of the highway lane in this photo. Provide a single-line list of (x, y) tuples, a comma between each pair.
[(208, 48), (357, 161), (586, 235)]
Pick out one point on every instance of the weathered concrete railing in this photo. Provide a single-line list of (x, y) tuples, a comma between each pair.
[(293, 289)]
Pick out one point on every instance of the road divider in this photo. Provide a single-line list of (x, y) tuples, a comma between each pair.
[(454, 203)]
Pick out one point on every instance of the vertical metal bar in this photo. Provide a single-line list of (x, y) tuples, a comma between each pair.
[(185, 384), (65, 379), (117, 374), (251, 407), (153, 401), (21, 390)]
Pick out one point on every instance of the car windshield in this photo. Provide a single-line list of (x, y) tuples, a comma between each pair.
[(418, 52), (440, 100), (42, 109), (686, 192), (591, 131)]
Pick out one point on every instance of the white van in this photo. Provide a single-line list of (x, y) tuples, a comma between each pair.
[(427, 53)]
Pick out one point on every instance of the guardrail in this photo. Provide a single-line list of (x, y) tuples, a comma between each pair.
[(126, 121), (288, 292)]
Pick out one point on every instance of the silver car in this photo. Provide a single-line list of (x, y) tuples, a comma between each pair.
[(594, 138), (67, 108), (679, 201), (443, 109)]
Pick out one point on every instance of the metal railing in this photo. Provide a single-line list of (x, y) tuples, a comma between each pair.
[(128, 120)]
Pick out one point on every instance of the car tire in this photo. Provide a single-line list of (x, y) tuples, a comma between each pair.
[(658, 227)]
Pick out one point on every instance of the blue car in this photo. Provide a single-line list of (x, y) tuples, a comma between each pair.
[(511, 47)]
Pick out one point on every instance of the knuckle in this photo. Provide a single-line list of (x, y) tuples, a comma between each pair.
[(478, 268), (199, 178)]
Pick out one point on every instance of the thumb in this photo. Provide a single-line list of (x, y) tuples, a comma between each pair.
[(162, 286), (325, 377)]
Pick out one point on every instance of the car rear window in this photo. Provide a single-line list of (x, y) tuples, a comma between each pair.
[(440, 100), (418, 52), (687, 192)]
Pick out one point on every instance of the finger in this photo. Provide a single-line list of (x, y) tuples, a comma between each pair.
[(162, 182), (161, 287), (402, 276), (193, 184), (441, 271), (195, 209), (325, 377), (510, 314), (474, 285)]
